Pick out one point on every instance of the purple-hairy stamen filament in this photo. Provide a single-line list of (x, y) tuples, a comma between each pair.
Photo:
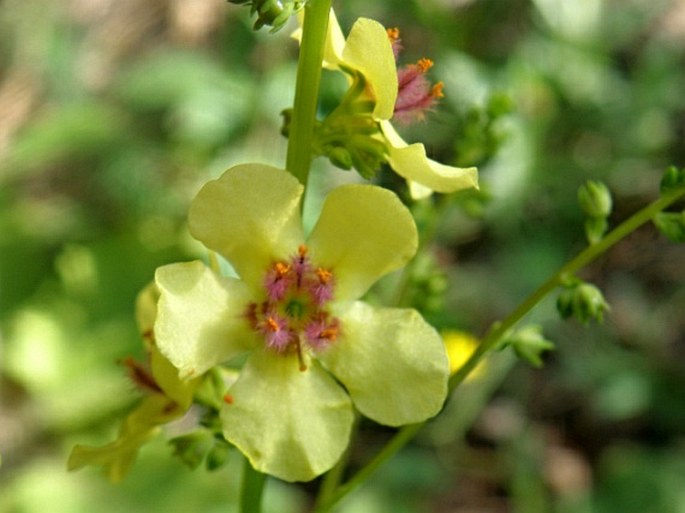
[(321, 288), (415, 93), (278, 280), (321, 332), (276, 332)]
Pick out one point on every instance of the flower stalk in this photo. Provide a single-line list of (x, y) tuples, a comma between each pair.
[(314, 30), (252, 489)]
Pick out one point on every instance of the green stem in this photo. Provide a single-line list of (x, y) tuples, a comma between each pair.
[(251, 490), (408, 432), (332, 479), (307, 88)]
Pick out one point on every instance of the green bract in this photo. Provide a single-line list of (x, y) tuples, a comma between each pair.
[(368, 51), (310, 360)]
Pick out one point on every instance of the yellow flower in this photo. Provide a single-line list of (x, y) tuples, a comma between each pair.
[(368, 51), (460, 346), (314, 350)]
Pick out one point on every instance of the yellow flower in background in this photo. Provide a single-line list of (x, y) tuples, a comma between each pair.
[(460, 346)]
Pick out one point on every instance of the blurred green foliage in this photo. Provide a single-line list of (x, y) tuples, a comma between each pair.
[(114, 113)]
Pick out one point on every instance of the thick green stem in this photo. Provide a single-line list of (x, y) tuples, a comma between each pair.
[(307, 88), (251, 489), (405, 434)]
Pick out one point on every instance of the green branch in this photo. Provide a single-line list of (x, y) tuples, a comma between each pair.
[(251, 490)]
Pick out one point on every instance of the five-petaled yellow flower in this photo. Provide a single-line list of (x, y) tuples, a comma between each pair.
[(315, 351)]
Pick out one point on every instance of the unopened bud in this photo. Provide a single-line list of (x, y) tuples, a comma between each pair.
[(340, 157), (583, 301), (528, 343), (595, 199)]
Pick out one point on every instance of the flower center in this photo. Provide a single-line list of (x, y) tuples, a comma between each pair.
[(294, 316)]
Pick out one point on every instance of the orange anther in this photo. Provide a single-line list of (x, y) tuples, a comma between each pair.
[(302, 250), (228, 399), (393, 33), (271, 324), (436, 90), (281, 269), (324, 275), (330, 333), (424, 64)]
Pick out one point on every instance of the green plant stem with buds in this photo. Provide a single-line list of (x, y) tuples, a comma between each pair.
[(298, 162), (496, 332), (300, 138)]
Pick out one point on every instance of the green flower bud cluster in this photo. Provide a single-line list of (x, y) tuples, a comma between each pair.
[(482, 132), (528, 343), (582, 300), (428, 284), (274, 13), (198, 446), (595, 201)]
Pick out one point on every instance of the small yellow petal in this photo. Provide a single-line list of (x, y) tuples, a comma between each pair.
[(460, 346)]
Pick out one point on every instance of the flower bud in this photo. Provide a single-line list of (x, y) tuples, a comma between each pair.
[(340, 157), (529, 344), (191, 448), (216, 456), (595, 199), (584, 301)]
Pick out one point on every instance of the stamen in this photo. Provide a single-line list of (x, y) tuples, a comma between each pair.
[(251, 315), (276, 332), (436, 90), (324, 275), (140, 375), (228, 399), (424, 64), (271, 324), (393, 33), (330, 333), (277, 281), (281, 269)]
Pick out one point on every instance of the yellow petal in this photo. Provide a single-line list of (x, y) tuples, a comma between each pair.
[(392, 363), (363, 233), (410, 161), (251, 216), (369, 51), (290, 423), (200, 317)]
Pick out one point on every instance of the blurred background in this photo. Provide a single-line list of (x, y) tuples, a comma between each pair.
[(113, 113)]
